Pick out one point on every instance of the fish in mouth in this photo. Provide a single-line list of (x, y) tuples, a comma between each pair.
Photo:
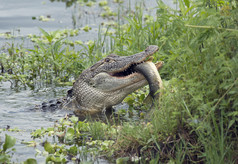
[(111, 79)]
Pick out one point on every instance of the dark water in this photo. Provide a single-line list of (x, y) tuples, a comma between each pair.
[(16, 18)]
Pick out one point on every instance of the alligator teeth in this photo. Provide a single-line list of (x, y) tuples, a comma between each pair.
[(130, 70)]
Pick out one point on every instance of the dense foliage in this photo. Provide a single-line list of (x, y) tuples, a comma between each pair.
[(196, 119)]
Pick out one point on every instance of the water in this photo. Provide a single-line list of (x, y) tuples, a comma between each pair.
[(14, 112), (16, 18)]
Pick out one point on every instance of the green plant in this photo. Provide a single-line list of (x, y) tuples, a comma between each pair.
[(52, 60), (5, 151), (195, 119), (198, 46)]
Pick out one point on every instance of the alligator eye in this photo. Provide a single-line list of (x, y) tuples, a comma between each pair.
[(107, 60)]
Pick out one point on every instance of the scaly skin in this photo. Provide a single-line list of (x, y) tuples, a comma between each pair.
[(110, 80)]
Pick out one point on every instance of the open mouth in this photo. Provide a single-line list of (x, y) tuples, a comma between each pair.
[(135, 76), (130, 70)]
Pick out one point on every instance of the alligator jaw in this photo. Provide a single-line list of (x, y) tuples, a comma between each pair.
[(104, 91), (130, 79), (130, 70), (127, 63)]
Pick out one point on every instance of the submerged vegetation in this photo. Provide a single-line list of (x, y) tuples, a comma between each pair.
[(196, 119)]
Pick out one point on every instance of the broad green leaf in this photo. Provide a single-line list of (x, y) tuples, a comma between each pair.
[(58, 159), (49, 158), (122, 160), (73, 150), (4, 158), (49, 148), (30, 161), (187, 3), (74, 119), (9, 142), (69, 136)]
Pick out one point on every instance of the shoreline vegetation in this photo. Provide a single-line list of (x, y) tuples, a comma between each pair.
[(196, 119)]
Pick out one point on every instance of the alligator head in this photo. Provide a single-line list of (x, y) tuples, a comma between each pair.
[(110, 80)]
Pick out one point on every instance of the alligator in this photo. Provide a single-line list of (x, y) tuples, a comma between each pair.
[(109, 81)]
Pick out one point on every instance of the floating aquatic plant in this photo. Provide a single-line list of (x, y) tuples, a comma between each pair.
[(102, 3)]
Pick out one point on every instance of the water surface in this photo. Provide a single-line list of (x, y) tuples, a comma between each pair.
[(16, 18)]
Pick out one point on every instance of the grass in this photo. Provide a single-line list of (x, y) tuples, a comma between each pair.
[(195, 120)]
